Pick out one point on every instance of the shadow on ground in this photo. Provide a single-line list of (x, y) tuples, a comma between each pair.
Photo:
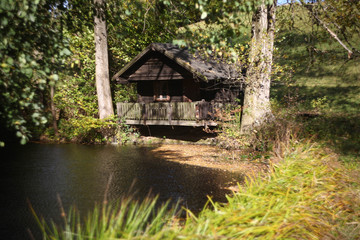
[(338, 99), (336, 123), (191, 134), (175, 181), (340, 130)]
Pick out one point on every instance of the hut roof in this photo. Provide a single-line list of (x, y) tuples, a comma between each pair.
[(198, 67)]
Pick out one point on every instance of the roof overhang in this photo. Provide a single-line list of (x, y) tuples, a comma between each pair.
[(198, 69)]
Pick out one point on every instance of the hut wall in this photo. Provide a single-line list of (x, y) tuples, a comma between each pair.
[(155, 69), (227, 95), (191, 90), (160, 79), (146, 90)]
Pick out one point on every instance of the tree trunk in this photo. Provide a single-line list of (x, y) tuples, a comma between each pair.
[(102, 62), (257, 92), (53, 110)]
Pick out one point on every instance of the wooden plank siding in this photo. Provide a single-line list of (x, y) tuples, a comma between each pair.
[(157, 111), (173, 113), (156, 68)]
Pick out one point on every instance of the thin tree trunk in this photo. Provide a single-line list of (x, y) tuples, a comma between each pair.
[(53, 110), (257, 92), (332, 34), (102, 61)]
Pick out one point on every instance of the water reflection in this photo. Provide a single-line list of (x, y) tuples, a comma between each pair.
[(80, 173)]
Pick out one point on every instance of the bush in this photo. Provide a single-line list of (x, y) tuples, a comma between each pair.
[(94, 130), (87, 130)]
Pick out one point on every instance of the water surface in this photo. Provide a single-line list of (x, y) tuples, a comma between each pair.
[(79, 174)]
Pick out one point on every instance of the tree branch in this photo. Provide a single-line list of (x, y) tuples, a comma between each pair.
[(332, 34)]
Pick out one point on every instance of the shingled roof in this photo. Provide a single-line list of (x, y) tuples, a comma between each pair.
[(204, 70)]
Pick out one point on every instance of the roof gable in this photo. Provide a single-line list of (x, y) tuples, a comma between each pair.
[(155, 69), (162, 60)]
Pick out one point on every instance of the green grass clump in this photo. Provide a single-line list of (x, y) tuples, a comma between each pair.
[(303, 198), (125, 219)]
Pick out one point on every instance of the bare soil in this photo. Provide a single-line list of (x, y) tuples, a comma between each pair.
[(208, 156)]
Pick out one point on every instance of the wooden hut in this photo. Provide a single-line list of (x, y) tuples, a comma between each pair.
[(176, 87)]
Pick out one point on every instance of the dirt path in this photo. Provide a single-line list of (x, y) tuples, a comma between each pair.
[(207, 156)]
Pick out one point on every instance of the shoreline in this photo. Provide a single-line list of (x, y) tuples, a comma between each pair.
[(209, 156), (201, 153)]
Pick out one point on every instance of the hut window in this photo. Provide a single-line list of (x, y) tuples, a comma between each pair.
[(161, 91)]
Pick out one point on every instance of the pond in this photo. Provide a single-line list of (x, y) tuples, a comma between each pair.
[(79, 174)]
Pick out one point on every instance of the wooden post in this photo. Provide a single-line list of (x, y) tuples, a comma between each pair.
[(169, 112), (143, 112)]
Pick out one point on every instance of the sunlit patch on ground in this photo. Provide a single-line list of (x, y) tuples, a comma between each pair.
[(208, 156)]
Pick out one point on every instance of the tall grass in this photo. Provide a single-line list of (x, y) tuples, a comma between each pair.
[(303, 198), (124, 219)]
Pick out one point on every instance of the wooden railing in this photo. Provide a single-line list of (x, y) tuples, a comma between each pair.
[(157, 111), (174, 113)]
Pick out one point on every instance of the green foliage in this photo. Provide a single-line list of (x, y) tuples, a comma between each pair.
[(338, 131), (212, 10), (31, 51), (86, 129), (308, 47), (340, 16), (309, 195), (76, 97), (126, 21), (125, 134), (133, 25), (224, 41), (321, 67), (320, 103), (222, 30), (324, 90), (124, 93), (76, 93), (274, 136), (295, 201), (125, 219)]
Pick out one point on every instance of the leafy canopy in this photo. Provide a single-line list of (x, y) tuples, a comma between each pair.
[(31, 52)]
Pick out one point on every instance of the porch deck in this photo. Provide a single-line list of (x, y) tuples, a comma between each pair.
[(173, 113)]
